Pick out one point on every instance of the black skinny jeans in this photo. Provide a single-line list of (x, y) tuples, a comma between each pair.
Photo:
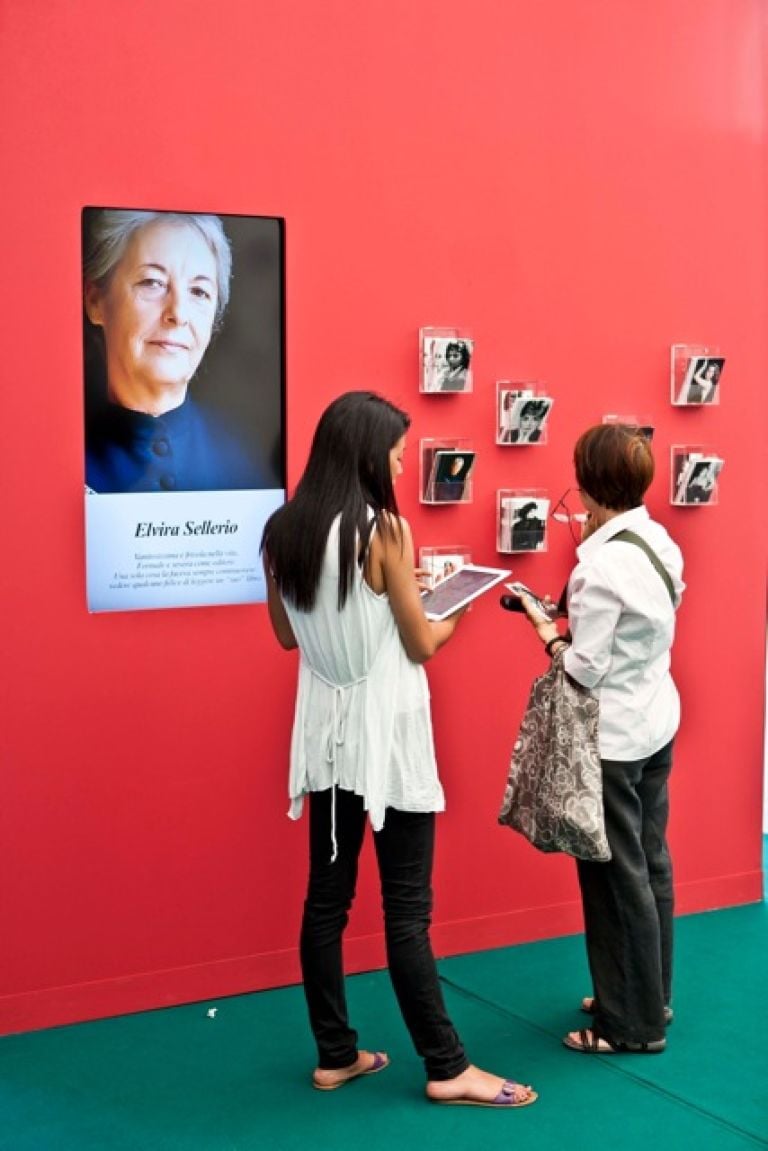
[(404, 850), (629, 902)]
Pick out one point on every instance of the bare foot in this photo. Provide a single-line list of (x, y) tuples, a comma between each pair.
[(481, 1089), (367, 1063)]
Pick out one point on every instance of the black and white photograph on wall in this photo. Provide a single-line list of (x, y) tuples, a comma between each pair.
[(447, 364), (449, 475), (696, 478), (523, 524), (701, 380), (183, 352), (522, 418)]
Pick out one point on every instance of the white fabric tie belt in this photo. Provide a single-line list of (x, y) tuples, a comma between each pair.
[(335, 735), (335, 739)]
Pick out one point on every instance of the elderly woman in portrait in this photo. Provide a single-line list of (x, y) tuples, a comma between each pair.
[(156, 285)]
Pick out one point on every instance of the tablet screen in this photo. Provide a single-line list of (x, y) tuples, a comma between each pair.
[(459, 589)]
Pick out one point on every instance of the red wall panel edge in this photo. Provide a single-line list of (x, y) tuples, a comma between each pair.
[(83, 1002)]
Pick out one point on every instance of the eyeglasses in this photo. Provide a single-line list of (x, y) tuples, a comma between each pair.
[(563, 514)]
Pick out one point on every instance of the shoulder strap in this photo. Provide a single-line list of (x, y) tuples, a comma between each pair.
[(633, 538)]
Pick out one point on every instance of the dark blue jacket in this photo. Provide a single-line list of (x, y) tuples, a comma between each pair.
[(185, 450)]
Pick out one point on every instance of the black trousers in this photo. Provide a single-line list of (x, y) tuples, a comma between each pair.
[(629, 902), (404, 851)]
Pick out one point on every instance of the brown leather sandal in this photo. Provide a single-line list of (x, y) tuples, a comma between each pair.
[(588, 1043)]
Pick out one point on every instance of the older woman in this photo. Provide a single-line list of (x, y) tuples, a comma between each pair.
[(622, 597), (156, 285)]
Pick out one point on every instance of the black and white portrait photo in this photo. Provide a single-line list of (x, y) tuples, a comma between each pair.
[(446, 364), (522, 418), (522, 524), (701, 380), (697, 478)]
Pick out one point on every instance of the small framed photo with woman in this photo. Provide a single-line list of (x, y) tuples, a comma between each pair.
[(700, 385), (522, 521), (446, 361), (696, 372), (694, 477), (183, 353), (437, 563), (522, 417)]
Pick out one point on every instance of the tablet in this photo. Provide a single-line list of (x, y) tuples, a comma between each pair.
[(459, 589)]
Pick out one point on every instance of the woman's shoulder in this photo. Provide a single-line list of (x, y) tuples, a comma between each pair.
[(396, 526), (391, 538)]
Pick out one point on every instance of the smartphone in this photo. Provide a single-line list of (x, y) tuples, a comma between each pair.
[(514, 603)]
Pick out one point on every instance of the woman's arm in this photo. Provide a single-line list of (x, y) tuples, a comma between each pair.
[(278, 616), (391, 569)]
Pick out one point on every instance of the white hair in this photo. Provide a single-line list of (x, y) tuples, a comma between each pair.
[(106, 232)]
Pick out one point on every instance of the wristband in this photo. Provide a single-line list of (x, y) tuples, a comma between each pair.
[(555, 639)]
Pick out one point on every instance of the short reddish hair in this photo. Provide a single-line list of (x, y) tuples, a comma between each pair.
[(614, 465)]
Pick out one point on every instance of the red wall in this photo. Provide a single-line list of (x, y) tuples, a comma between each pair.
[(581, 185)]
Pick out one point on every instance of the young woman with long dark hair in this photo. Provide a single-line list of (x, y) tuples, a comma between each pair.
[(339, 562)]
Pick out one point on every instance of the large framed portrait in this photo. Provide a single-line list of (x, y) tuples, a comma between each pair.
[(184, 366)]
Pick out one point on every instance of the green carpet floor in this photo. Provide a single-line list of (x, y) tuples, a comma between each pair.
[(182, 1080)]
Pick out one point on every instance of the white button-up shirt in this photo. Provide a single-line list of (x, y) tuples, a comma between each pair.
[(623, 623)]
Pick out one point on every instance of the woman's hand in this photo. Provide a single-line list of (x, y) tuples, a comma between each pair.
[(391, 555), (423, 578), (546, 629)]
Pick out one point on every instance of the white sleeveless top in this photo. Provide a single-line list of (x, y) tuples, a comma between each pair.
[(362, 720)]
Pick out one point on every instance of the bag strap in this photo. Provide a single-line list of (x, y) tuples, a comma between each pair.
[(633, 538)]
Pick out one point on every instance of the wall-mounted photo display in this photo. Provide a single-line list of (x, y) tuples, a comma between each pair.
[(695, 375), (694, 474), (446, 360), (183, 351), (521, 414), (437, 563), (446, 470), (641, 424), (521, 520)]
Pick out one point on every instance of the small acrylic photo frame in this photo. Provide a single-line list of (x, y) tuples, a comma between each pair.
[(521, 414), (446, 360), (642, 424), (694, 476), (695, 372), (445, 471), (521, 520), (439, 562)]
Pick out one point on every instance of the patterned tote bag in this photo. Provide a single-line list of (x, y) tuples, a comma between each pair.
[(554, 793)]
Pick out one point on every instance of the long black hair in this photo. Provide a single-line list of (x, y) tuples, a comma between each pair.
[(348, 473)]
